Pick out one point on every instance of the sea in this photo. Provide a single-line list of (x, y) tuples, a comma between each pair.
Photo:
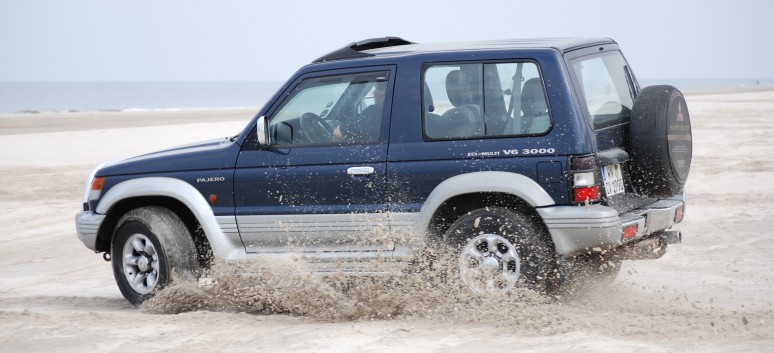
[(708, 84), (37, 97)]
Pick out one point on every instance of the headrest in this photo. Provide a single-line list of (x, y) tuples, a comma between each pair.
[(455, 89), (533, 101)]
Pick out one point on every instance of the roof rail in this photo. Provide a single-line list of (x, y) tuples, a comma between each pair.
[(354, 49)]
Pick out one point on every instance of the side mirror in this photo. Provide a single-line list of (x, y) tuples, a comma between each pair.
[(262, 129)]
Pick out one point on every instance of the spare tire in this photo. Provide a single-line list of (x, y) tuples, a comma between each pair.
[(660, 141)]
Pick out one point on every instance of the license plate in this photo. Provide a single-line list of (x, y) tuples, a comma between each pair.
[(613, 179)]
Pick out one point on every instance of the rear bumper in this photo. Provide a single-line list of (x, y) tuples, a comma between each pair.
[(582, 229), (87, 225)]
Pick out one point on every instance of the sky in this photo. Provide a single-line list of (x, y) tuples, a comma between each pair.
[(241, 40)]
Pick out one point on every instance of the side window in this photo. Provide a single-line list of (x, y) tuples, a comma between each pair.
[(604, 88), (484, 100), (332, 110)]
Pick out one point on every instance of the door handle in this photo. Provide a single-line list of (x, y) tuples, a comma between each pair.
[(360, 170)]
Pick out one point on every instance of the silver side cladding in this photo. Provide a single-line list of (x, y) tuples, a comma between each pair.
[(229, 226)]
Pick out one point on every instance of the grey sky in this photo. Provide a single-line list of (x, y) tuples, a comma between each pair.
[(158, 40)]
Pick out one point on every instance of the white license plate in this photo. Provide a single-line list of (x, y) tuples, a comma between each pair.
[(613, 179)]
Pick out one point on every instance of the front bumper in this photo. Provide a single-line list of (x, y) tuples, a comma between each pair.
[(87, 225), (582, 229)]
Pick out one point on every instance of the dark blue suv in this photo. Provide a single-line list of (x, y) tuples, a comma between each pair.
[(532, 159)]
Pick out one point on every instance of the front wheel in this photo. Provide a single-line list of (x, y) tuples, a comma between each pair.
[(500, 249), (148, 244)]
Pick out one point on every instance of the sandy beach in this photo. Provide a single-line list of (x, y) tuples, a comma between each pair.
[(712, 293)]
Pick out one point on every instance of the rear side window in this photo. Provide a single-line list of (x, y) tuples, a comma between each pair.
[(605, 88), (478, 100)]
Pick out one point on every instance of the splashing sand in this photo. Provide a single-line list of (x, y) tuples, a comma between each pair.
[(434, 293)]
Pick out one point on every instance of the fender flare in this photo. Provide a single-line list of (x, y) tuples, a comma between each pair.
[(502, 182), (222, 246)]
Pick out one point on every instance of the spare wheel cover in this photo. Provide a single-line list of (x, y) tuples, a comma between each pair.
[(661, 141)]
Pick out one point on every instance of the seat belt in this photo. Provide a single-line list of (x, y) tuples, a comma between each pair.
[(514, 106)]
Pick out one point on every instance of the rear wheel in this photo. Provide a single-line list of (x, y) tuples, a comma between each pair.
[(148, 244), (500, 249)]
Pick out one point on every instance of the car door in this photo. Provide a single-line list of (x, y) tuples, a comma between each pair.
[(319, 186)]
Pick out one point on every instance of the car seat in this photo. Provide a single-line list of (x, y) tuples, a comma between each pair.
[(535, 118), (465, 119)]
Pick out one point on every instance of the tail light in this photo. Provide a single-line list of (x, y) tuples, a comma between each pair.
[(630, 232), (679, 214), (581, 195), (584, 179)]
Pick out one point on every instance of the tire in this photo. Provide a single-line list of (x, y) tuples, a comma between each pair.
[(499, 249), (660, 141), (150, 243)]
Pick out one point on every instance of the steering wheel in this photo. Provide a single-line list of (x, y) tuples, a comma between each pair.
[(315, 128)]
